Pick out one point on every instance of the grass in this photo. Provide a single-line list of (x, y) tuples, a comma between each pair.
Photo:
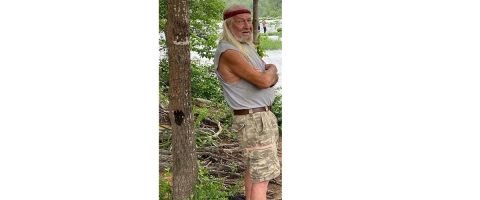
[(275, 34), (270, 44)]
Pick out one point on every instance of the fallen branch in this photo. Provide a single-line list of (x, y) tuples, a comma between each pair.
[(275, 182), (228, 145), (167, 158), (222, 173), (219, 131), (164, 165), (164, 134), (163, 151), (218, 150)]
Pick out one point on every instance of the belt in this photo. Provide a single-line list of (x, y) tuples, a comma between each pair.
[(251, 110)]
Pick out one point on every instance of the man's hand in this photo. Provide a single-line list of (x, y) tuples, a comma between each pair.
[(276, 80), (271, 67)]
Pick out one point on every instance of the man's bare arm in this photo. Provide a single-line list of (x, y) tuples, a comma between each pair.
[(238, 65)]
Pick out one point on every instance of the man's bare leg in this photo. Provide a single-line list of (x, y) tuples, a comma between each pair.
[(259, 191), (255, 191), (248, 184)]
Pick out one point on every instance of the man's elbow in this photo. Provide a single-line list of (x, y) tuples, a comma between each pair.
[(263, 86)]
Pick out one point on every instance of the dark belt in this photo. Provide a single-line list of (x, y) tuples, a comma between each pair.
[(254, 110)]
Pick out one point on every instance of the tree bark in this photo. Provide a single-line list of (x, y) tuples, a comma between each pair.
[(255, 22), (185, 169)]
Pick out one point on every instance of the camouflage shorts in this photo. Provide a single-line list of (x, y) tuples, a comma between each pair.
[(258, 136)]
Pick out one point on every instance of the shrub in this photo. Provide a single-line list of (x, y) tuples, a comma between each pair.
[(164, 187), (210, 187), (205, 83), (277, 108)]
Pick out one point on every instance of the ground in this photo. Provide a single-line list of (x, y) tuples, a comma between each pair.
[(275, 188)]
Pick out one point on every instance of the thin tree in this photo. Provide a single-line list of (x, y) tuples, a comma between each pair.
[(185, 169), (256, 23)]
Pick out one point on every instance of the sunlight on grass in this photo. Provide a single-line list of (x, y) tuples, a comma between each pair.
[(270, 44)]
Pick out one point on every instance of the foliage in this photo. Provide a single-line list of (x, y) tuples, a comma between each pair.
[(227, 132), (205, 16), (270, 44), (277, 107), (210, 187), (163, 96), (167, 144), (163, 83), (279, 30), (205, 83), (163, 76), (260, 49), (266, 8), (202, 138), (207, 187), (165, 190), (202, 113), (275, 23), (279, 34)]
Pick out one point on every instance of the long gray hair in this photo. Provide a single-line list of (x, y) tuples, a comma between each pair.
[(227, 35)]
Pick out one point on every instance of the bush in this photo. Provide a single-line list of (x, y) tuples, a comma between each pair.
[(205, 83), (209, 187), (163, 75), (165, 188), (277, 108)]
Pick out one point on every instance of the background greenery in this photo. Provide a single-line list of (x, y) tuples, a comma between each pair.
[(267, 9)]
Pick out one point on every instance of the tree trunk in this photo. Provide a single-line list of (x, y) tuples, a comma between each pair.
[(185, 169), (255, 22)]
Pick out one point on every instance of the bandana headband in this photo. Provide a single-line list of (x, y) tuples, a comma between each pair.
[(233, 13)]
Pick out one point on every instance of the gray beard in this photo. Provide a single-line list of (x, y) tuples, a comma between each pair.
[(243, 40)]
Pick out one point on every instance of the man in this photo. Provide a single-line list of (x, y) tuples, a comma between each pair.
[(264, 26), (247, 83)]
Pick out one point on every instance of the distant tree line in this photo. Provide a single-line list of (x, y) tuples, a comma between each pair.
[(266, 8)]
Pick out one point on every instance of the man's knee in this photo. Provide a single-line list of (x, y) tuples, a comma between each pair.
[(261, 184)]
